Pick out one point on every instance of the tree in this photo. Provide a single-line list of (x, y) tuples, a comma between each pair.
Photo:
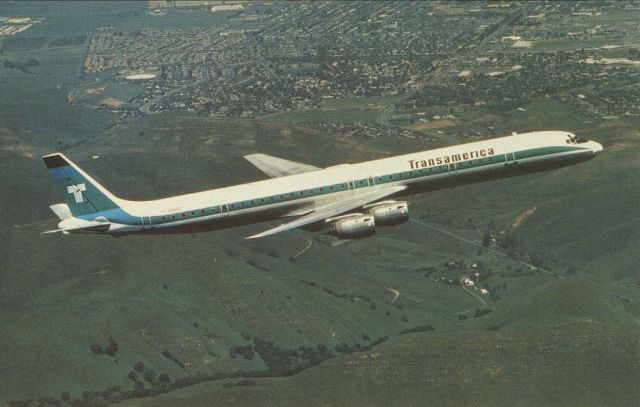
[(139, 367), (486, 239), (150, 376), (112, 348)]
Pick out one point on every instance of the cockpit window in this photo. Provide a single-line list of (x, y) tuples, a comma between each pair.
[(575, 140)]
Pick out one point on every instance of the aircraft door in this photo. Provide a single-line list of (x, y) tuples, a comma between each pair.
[(224, 209), (371, 181), (146, 222), (509, 160)]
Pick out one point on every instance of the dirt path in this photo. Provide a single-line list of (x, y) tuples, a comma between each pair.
[(484, 303), (303, 251), (395, 292)]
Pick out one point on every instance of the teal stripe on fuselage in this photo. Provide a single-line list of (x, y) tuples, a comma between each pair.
[(541, 151), (118, 215)]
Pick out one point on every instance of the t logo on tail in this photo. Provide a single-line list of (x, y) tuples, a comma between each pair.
[(76, 190)]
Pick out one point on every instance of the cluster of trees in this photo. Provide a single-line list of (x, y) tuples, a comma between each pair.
[(241, 383), (280, 362), (110, 395), (172, 357), (110, 349), (419, 328), (149, 376), (285, 362), (21, 65), (246, 351), (356, 347), (481, 311), (350, 297)]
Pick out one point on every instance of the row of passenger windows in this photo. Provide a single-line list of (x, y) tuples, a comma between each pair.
[(183, 215), (289, 196), (326, 189)]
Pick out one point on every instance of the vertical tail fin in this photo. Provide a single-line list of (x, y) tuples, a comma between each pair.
[(82, 194)]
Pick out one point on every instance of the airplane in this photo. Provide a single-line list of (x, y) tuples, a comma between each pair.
[(348, 201)]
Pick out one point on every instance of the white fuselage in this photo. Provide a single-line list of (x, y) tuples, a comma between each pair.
[(298, 194)]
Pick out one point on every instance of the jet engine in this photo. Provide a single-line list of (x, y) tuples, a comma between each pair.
[(356, 226), (389, 213)]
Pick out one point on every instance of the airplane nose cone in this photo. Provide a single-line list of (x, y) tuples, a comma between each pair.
[(596, 147)]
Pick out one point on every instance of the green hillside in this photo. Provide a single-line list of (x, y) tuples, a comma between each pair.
[(192, 306), (573, 363)]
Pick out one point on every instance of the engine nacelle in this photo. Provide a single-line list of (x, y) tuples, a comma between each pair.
[(390, 213), (354, 227)]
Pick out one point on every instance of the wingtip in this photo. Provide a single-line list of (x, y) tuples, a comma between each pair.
[(256, 236), (265, 233)]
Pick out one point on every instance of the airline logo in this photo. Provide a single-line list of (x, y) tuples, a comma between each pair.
[(76, 190), (485, 152)]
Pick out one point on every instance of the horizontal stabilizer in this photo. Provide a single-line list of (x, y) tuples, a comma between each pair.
[(278, 167), (61, 210), (83, 226)]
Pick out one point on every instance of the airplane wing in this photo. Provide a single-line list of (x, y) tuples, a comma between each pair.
[(332, 209), (278, 167)]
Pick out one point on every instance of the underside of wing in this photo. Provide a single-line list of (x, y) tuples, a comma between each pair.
[(333, 209), (278, 167)]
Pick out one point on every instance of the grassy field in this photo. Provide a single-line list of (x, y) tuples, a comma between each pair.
[(194, 296), (577, 363)]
